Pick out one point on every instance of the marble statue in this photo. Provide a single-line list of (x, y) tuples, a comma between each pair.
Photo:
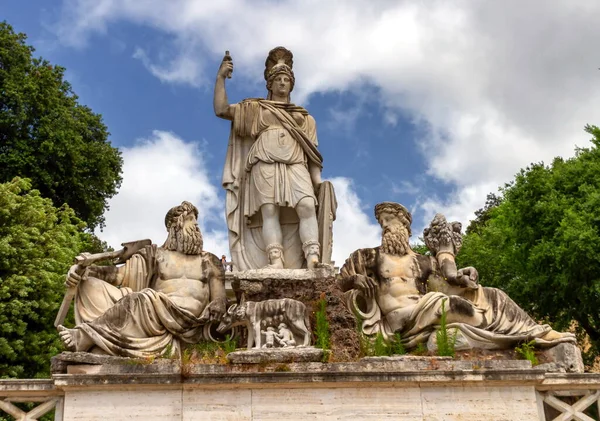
[(392, 290), (269, 335), (282, 312), (279, 212), (285, 337), (158, 298)]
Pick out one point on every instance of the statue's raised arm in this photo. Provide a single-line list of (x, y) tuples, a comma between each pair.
[(444, 240), (220, 102)]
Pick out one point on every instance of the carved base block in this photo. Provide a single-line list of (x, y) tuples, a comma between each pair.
[(276, 355), (565, 357), (308, 287)]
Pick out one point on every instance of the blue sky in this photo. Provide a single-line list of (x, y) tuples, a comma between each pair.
[(432, 105)]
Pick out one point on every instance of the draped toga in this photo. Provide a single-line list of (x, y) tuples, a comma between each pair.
[(134, 320), (506, 324), (271, 145)]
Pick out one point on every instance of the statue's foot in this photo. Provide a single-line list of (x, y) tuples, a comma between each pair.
[(553, 335), (73, 339), (312, 261), (66, 336)]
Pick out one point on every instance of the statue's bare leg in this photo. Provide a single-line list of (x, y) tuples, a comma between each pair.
[(272, 236), (309, 230), (74, 339)]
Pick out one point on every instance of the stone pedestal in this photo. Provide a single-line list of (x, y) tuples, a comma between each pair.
[(276, 355), (376, 388)]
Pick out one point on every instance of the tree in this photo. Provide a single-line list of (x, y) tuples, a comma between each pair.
[(48, 137), (483, 215), (37, 244), (540, 243)]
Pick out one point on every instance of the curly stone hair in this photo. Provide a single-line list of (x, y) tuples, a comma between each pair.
[(395, 209), (185, 240), (177, 213)]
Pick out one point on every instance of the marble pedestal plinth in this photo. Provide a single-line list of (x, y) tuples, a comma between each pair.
[(388, 388)]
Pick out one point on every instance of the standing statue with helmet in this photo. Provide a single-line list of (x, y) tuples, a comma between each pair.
[(279, 212)]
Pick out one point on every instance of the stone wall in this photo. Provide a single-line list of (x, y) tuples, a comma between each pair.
[(377, 388)]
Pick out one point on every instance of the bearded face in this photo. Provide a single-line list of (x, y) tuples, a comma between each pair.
[(185, 237), (395, 239)]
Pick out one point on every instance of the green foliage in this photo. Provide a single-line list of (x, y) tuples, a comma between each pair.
[(208, 352), (540, 243), (322, 325), (37, 246), (379, 347), (420, 349), (396, 346), (420, 247), (445, 342), (230, 344), (527, 351), (48, 137), (484, 214)]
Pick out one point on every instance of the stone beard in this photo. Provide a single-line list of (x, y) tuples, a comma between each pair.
[(187, 240), (394, 240)]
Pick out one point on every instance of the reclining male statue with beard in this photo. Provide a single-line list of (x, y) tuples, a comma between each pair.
[(159, 297), (393, 290)]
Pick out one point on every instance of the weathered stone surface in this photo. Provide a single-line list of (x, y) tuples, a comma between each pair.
[(364, 402), (217, 404), (107, 364), (365, 391), (100, 405), (276, 355), (409, 358), (393, 290), (479, 403), (566, 357), (149, 297), (308, 287), (284, 274), (282, 322)]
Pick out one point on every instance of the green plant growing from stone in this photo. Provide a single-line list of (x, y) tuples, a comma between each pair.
[(445, 342), (322, 325), (396, 347), (420, 349), (208, 352), (380, 346), (230, 344), (527, 351)]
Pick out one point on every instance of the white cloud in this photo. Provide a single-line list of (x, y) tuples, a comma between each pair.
[(158, 173), (493, 85), (180, 69), (162, 171), (353, 228)]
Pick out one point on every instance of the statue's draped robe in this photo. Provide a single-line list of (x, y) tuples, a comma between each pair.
[(134, 320), (506, 324), (270, 147)]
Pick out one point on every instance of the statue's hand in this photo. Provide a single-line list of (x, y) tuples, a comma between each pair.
[(468, 276), (225, 69), (365, 284), (73, 276), (214, 310)]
